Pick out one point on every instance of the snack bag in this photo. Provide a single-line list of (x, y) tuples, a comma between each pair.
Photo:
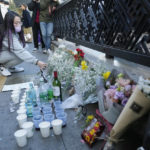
[(92, 132)]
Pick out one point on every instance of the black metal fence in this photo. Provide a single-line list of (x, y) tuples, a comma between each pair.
[(116, 27)]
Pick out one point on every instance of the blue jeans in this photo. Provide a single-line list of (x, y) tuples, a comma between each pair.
[(46, 29)]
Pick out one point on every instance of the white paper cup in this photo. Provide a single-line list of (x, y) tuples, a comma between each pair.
[(22, 104), (57, 126), (21, 119), (28, 126), (15, 98), (23, 100), (24, 96), (21, 111), (22, 107), (20, 136), (45, 129)]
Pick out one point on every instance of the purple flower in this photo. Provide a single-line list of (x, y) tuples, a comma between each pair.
[(119, 95), (124, 101), (127, 87), (113, 87)]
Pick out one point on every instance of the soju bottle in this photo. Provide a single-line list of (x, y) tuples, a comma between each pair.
[(56, 87)]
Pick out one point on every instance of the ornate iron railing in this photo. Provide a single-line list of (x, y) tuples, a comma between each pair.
[(116, 27)]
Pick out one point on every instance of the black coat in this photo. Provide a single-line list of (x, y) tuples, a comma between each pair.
[(33, 6), (26, 19), (1, 17)]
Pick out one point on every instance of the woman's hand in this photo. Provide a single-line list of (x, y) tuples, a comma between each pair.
[(41, 64)]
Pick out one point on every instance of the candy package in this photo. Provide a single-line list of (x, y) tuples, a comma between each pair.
[(92, 132)]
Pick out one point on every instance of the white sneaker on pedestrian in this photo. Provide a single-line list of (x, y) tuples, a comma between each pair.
[(16, 69), (35, 50), (4, 72), (49, 52), (44, 51)]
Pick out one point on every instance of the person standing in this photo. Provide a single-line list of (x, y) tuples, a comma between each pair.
[(34, 6), (4, 6), (1, 16), (47, 8), (26, 19)]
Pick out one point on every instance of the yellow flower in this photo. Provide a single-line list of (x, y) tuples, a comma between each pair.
[(84, 67), (83, 63), (106, 75), (90, 117)]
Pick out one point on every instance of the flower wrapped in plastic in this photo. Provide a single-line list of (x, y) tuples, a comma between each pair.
[(114, 94), (85, 81), (63, 62)]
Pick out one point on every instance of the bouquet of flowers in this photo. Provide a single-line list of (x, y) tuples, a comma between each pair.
[(144, 86), (63, 62), (137, 106), (113, 91), (85, 80), (118, 89), (78, 57)]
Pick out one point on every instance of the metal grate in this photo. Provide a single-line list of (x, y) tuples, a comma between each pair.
[(117, 27)]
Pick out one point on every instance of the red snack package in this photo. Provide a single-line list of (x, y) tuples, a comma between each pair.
[(93, 131)]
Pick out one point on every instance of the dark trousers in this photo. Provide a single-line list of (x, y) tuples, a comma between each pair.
[(36, 29)]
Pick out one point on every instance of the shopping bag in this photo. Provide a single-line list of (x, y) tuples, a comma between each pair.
[(28, 34)]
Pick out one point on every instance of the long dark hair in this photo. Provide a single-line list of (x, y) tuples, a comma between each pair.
[(7, 29)]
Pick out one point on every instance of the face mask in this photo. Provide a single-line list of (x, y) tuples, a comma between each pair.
[(18, 29), (6, 6)]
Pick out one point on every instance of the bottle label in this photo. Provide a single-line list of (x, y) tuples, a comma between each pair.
[(56, 91)]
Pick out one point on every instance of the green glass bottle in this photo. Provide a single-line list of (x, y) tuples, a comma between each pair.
[(56, 87)]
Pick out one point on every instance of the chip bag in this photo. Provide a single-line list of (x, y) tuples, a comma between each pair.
[(92, 132)]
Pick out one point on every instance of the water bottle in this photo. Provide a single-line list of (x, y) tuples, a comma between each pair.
[(31, 95), (43, 91)]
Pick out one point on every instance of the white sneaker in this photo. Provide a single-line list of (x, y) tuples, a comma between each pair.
[(35, 49), (44, 51), (16, 69), (4, 72), (49, 52)]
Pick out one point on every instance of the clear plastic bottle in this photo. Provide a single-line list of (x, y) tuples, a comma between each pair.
[(43, 91), (32, 94)]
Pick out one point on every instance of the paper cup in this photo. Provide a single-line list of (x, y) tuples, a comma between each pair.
[(15, 98), (20, 136), (21, 119), (23, 100), (45, 129), (57, 126), (21, 111), (22, 107), (24, 96), (62, 116), (28, 126), (22, 104)]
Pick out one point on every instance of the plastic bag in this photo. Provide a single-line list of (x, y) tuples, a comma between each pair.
[(72, 102)]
